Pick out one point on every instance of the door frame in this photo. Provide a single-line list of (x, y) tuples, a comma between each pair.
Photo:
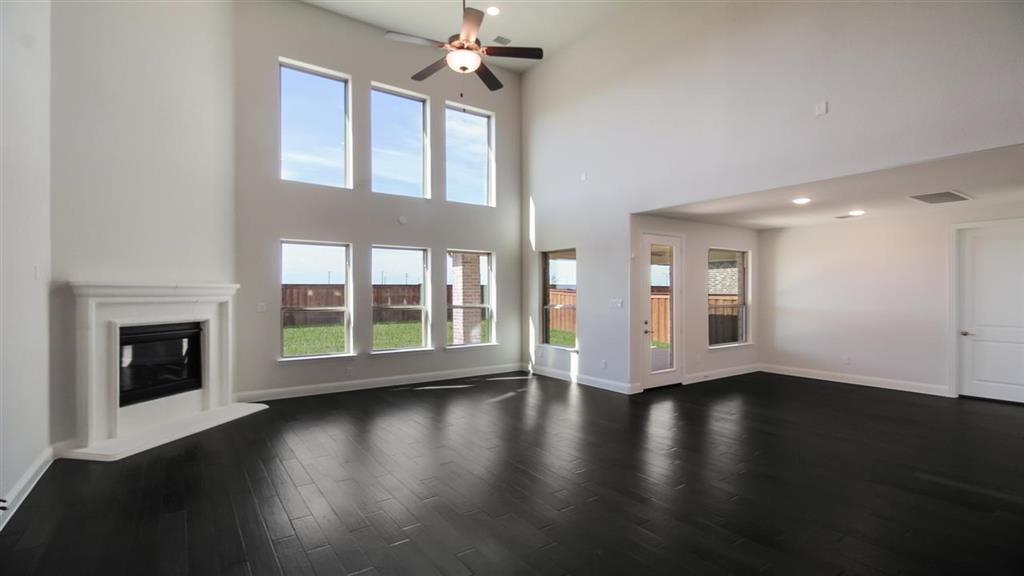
[(955, 267), (649, 379)]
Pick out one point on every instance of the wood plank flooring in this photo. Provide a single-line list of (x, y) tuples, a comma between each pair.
[(516, 474)]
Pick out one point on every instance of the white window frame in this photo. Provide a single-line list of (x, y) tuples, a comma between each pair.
[(425, 101), (545, 331), (346, 309), (423, 307), (488, 308), (744, 309), (492, 194), (330, 75)]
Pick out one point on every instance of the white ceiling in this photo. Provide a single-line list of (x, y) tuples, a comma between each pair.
[(550, 25), (989, 177)]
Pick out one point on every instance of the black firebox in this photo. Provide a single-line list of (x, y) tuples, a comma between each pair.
[(160, 360)]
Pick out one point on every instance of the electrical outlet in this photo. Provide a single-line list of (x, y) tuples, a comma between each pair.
[(821, 108), (348, 372), (261, 307), (604, 364), (846, 360)]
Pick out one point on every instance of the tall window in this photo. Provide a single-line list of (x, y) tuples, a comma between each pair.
[(470, 316), (399, 298), (560, 298), (314, 127), (727, 297), (398, 138), (314, 299), (468, 156)]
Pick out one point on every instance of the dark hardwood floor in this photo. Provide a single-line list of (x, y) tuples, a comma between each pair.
[(513, 474)]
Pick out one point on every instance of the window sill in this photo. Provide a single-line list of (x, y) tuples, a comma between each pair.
[(563, 348), (731, 345), (469, 346), (399, 351), (295, 359)]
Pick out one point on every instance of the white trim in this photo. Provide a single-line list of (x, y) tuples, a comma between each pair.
[(388, 351), (592, 381), (297, 359), (470, 346), (721, 373), (136, 290), (368, 383), (17, 494), (875, 382)]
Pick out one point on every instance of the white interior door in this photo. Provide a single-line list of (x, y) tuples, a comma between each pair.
[(660, 283), (992, 312)]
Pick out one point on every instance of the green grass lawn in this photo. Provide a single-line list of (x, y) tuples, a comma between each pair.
[(394, 335), (562, 338), (317, 340), (662, 345), (313, 340)]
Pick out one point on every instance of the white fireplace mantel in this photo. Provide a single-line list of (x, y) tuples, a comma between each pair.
[(108, 431)]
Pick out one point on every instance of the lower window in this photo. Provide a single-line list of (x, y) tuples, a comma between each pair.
[(727, 297), (470, 290), (314, 299), (400, 319)]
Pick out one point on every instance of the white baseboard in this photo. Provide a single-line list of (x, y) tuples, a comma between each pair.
[(721, 373), (368, 383), (592, 381), (16, 495), (888, 383)]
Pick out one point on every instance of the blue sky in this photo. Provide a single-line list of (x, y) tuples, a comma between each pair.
[(397, 144), (312, 128), (312, 264), (467, 147)]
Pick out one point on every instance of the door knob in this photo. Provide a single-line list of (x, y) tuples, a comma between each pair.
[(966, 333)]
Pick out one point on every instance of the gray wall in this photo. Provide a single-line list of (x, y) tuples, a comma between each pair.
[(719, 100), (143, 178), (269, 209), (24, 244)]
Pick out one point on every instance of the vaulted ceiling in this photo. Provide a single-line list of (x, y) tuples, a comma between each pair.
[(550, 25)]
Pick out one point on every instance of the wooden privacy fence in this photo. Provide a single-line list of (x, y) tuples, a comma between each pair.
[(723, 314)]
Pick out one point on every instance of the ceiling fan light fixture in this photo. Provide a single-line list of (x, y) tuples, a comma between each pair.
[(463, 61)]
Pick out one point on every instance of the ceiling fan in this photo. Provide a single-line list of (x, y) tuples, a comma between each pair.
[(464, 52)]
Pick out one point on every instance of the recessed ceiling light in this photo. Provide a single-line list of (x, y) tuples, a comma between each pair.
[(801, 201), (494, 11), (857, 212)]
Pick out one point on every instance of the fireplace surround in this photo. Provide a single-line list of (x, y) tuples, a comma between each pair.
[(176, 379)]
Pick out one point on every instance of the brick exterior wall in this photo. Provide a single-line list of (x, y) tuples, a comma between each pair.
[(467, 323), (723, 278)]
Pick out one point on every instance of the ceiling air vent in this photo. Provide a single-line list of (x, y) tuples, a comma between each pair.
[(941, 197), (843, 217), (501, 40)]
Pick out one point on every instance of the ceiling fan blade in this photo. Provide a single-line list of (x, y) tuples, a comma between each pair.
[(430, 70), (488, 77), (471, 21), (514, 52), (410, 39)]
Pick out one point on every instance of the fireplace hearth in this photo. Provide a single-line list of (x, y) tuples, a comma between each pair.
[(159, 360)]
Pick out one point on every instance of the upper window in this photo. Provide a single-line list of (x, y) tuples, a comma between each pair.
[(727, 297), (470, 315), (314, 128), (560, 298), (399, 298), (468, 156), (314, 299), (398, 137)]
